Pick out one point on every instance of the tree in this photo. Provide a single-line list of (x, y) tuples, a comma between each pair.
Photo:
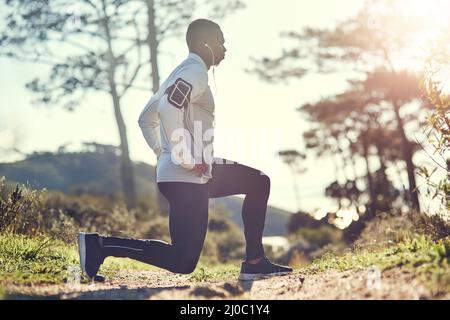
[(96, 45), (365, 45), (347, 126), (437, 130), (88, 46)]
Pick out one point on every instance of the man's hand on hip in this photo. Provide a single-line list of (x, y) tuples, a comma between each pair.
[(199, 168)]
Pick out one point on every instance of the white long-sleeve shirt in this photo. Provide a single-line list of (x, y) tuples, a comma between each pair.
[(181, 135)]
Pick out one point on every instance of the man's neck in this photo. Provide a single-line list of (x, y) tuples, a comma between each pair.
[(207, 63)]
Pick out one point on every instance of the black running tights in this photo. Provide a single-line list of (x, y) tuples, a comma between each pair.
[(188, 218)]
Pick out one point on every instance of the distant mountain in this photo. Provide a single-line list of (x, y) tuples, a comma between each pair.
[(98, 173)]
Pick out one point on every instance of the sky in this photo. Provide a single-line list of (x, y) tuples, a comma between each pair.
[(254, 119)]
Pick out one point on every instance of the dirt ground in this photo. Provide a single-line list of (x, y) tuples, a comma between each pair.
[(361, 284)]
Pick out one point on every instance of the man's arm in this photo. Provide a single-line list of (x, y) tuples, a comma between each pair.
[(149, 123), (187, 86)]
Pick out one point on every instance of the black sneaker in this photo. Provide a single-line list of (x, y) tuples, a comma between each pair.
[(91, 256), (263, 269)]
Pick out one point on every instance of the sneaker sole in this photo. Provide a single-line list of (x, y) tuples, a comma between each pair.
[(82, 251), (251, 276)]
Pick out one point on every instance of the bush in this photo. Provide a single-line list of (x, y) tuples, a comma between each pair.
[(321, 236), (114, 220), (30, 212), (388, 229), (158, 229), (309, 243), (34, 212), (435, 226), (224, 241)]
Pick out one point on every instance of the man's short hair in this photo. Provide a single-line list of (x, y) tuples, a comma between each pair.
[(200, 29)]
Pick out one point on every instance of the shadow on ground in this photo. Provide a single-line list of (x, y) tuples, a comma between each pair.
[(225, 290)]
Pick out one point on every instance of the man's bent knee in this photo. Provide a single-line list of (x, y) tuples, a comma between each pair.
[(185, 266), (264, 182)]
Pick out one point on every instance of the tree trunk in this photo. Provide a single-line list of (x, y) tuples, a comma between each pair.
[(407, 157), (152, 41), (344, 163), (380, 151), (447, 196), (351, 160), (339, 153), (153, 44), (126, 167), (372, 194)]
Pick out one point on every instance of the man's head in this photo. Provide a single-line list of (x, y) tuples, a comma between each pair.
[(205, 38)]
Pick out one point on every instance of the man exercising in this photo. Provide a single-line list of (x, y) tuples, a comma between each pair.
[(178, 125)]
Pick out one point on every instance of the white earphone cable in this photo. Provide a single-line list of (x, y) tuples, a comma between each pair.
[(213, 68)]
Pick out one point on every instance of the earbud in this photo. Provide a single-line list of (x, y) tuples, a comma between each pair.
[(206, 45)]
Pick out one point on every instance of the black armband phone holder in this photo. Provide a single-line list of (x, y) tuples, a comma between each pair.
[(179, 94)]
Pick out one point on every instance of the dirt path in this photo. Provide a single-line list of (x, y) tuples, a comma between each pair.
[(362, 284)]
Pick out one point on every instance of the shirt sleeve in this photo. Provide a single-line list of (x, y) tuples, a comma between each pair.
[(196, 76), (150, 126), (194, 81)]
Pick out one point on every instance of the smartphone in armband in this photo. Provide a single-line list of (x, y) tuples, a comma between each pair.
[(179, 96)]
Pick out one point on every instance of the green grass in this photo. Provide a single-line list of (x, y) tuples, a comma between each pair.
[(2, 293), (112, 265), (212, 273), (42, 260), (29, 261), (428, 259)]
